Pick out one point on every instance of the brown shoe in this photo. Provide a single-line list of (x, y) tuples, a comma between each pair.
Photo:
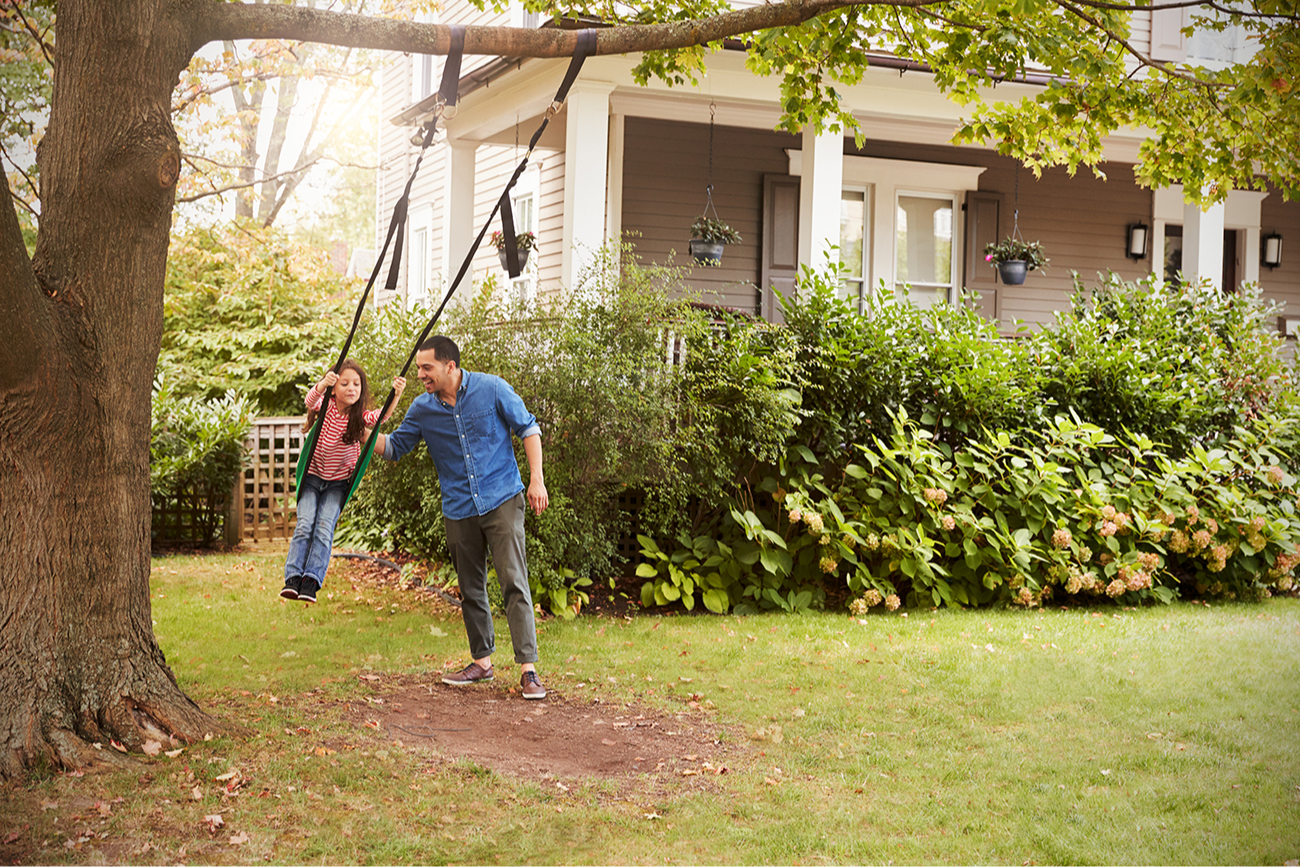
[(531, 686), (472, 673)]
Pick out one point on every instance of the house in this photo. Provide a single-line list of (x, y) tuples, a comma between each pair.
[(634, 162)]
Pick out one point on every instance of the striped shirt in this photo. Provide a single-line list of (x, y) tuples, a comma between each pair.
[(334, 459)]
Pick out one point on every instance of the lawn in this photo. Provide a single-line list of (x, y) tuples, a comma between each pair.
[(1155, 736)]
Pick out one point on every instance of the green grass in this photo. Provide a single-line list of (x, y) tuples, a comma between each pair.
[(1159, 736)]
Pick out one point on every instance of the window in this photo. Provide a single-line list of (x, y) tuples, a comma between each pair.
[(853, 246), (417, 277), (923, 246)]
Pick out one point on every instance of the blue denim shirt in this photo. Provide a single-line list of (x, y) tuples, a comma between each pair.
[(470, 442)]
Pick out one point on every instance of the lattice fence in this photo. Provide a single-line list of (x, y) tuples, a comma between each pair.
[(190, 517), (265, 508)]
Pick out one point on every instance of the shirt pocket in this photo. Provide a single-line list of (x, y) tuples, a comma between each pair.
[(481, 427)]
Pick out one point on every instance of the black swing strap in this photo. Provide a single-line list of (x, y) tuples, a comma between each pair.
[(447, 95), (586, 47)]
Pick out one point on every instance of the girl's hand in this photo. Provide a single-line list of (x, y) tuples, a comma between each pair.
[(398, 385), (327, 381)]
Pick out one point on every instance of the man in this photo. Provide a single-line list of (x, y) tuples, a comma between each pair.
[(466, 419)]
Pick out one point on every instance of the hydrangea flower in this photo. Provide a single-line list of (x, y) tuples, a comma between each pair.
[(892, 602), (1062, 537), (872, 598)]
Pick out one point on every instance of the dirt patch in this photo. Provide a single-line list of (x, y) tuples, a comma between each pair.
[(494, 727)]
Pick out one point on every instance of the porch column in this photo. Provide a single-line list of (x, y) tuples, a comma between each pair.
[(586, 163), (458, 223), (820, 180), (1203, 243)]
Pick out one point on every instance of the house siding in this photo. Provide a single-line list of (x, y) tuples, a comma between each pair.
[(664, 178), (1282, 283)]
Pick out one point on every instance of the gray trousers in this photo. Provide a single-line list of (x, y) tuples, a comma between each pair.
[(502, 532)]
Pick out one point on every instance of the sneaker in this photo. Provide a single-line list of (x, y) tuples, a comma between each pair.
[(530, 685), (307, 590), (291, 587), (472, 673)]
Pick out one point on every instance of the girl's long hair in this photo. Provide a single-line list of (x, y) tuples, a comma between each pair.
[(356, 413)]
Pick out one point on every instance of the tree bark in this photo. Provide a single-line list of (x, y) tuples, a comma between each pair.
[(78, 659)]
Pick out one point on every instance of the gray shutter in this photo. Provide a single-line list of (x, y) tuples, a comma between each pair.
[(1167, 40), (982, 214), (780, 263)]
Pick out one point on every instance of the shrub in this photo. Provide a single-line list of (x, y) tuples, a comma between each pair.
[(1180, 365), (196, 451)]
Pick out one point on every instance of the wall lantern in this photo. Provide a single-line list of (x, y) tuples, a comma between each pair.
[(1137, 241), (1271, 250)]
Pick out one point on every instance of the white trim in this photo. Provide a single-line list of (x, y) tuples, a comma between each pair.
[(614, 177)]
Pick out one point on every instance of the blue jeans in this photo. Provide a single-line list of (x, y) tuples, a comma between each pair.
[(319, 505)]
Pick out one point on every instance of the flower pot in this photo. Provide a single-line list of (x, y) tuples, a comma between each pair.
[(523, 260), (1013, 271), (706, 252)]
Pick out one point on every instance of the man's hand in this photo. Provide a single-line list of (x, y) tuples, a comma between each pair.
[(537, 497)]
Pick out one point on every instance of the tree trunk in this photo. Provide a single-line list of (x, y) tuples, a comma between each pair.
[(78, 660)]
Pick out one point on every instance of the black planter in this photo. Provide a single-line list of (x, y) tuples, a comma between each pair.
[(523, 260), (1013, 271), (707, 252)]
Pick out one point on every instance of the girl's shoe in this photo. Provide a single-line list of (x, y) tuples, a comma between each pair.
[(292, 587), (307, 590)]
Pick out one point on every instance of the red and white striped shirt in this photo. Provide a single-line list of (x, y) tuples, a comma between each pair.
[(334, 459)]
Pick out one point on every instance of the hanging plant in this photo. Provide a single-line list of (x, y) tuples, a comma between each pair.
[(708, 233), (525, 241), (1013, 256)]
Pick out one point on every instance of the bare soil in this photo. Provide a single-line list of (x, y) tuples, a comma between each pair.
[(494, 727)]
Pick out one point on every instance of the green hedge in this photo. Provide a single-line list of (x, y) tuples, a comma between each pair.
[(1142, 448)]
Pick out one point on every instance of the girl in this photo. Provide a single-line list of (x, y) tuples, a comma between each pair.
[(325, 484)]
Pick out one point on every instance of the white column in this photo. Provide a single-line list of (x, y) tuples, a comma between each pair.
[(614, 193), (1203, 244), (586, 162), (458, 223), (820, 181)]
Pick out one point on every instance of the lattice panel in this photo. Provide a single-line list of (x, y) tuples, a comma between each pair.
[(266, 488)]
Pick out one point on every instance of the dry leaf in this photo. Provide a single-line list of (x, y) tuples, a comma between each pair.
[(239, 839), (769, 781), (607, 742), (324, 751), (117, 746), (104, 810), (171, 754), (214, 821), (196, 793), (228, 775), (152, 748), (369, 676)]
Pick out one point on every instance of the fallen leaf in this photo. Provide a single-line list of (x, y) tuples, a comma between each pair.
[(196, 793), (239, 839), (152, 748), (374, 724), (369, 677), (324, 751), (104, 810), (214, 821), (228, 775), (436, 632), (13, 836), (653, 815), (689, 772), (49, 805), (769, 781), (117, 746), (171, 754), (607, 742), (289, 654)]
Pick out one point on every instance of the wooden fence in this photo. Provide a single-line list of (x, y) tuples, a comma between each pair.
[(263, 505)]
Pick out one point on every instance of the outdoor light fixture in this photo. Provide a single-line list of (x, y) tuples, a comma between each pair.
[(1271, 250), (1137, 241)]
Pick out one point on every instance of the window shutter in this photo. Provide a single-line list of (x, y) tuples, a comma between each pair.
[(983, 211)]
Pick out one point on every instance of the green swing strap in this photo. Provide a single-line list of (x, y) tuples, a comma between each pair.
[(447, 95)]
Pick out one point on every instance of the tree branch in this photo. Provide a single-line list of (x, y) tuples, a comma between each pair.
[(245, 184), (46, 48), (223, 21)]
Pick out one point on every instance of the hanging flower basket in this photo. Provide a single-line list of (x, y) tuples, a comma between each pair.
[(524, 241), (708, 236), (1013, 271), (1015, 258), (523, 259)]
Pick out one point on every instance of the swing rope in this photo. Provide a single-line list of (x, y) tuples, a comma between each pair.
[(586, 46)]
